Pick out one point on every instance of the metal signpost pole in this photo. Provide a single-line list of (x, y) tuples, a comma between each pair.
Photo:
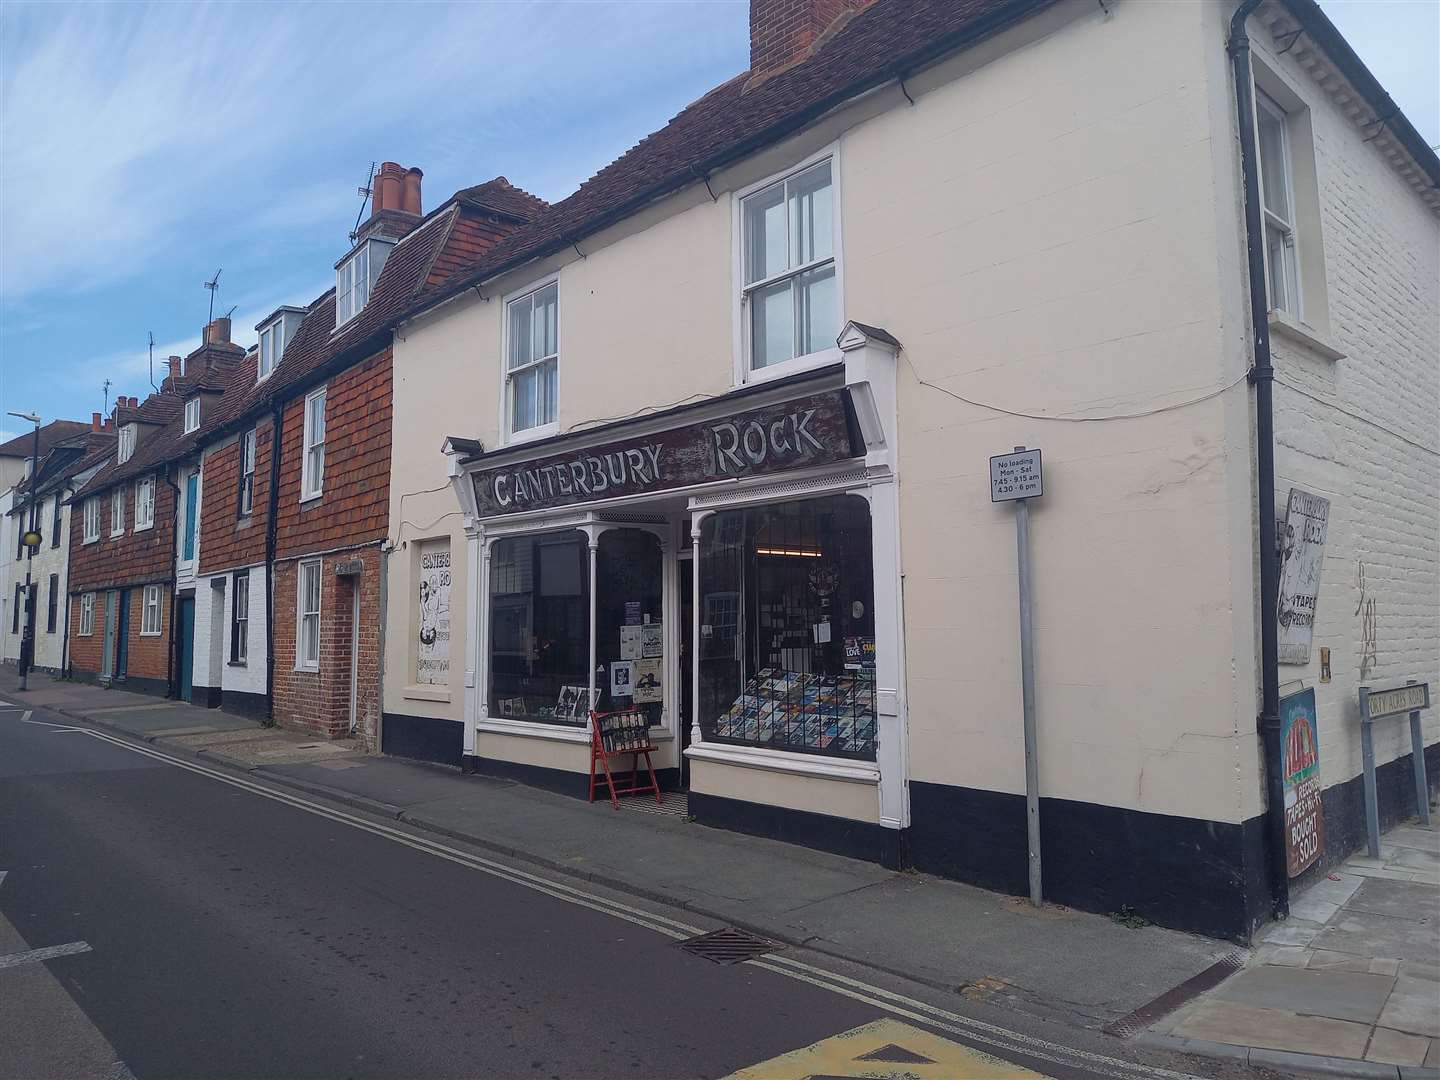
[(1417, 753), (1027, 692), (1367, 756), (1018, 478)]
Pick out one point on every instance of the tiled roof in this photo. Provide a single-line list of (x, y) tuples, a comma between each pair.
[(737, 118), (501, 197), (55, 432)]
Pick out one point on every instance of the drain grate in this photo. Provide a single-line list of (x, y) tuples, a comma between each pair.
[(729, 946), (1152, 1012)]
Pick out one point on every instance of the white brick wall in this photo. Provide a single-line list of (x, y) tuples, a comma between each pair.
[(1369, 443)]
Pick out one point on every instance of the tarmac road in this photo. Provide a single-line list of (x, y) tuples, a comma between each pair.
[(199, 927)]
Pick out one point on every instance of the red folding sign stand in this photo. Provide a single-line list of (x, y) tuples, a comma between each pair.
[(613, 735)]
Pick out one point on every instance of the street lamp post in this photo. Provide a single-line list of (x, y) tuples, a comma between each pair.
[(31, 539)]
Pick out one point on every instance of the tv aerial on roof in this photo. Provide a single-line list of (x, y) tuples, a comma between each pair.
[(213, 284), (365, 190)]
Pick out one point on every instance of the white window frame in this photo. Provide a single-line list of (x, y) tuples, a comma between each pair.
[(117, 512), (743, 372), (539, 431), (345, 307), (144, 503), (87, 614), (312, 486), (151, 623), (125, 447), (192, 414), (1264, 103), (246, 494), (239, 623), (302, 663), (92, 519), (272, 333)]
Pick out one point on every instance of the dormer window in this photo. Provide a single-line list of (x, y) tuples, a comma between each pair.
[(356, 276), (275, 334), (125, 450), (192, 415)]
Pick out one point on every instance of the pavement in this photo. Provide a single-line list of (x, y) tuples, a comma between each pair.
[(1084, 970), (1352, 977), (164, 913)]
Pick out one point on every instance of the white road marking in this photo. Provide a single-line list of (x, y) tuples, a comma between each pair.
[(54, 728), (875, 996), (48, 953), (2, 876)]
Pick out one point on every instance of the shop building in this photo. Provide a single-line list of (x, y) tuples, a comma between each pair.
[(70, 452), (721, 421), (296, 471)]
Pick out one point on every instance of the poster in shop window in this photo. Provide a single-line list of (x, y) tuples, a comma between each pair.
[(1302, 551), (432, 657), (1300, 747)]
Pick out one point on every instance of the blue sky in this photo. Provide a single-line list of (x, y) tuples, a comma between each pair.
[(142, 147)]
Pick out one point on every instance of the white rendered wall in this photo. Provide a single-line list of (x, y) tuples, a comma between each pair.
[(1364, 431)]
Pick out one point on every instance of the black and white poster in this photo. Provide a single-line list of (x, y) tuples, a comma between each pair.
[(432, 647), (1302, 552)]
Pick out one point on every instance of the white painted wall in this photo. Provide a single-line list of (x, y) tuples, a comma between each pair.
[(1364, 431), (213, 610)]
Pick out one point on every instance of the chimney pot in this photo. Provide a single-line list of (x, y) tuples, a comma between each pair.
[(388, 187), (175, 367), (95, 421), (410, 197), (218, 332)]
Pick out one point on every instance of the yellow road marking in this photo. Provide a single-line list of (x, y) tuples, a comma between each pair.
[(884, 1050)]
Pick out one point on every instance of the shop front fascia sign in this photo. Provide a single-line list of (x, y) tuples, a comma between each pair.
[(802, 433), (1302, 551), (1300, 742)]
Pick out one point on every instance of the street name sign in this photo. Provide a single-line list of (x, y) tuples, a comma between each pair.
[(1396, 700)]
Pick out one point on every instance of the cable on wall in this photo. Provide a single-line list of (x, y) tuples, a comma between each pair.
[(1356, 416), (1077, 419)]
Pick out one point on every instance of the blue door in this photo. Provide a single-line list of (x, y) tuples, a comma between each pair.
[(185, 646), (122, 636)]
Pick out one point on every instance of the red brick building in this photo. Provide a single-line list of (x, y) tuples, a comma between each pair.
[(292, 527), (129, 530)]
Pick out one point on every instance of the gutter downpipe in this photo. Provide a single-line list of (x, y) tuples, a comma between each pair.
[(272, 500), (1262, 376), (172, 684)]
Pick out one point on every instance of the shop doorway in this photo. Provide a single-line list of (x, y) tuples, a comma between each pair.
[(687, 664)]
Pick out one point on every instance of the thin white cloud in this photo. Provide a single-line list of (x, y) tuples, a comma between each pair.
[(133, 133)]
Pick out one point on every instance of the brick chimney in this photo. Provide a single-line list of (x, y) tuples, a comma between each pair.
[(218, 331), (784, 32), (176, 367), (394, 202), (95, 422)]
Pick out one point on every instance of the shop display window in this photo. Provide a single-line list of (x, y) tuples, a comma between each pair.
[(629, 637), (540, 628), (787, 628)]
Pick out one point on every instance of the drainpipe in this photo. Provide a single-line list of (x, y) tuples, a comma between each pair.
[(272, 506), (172, 689), (1262, 376)]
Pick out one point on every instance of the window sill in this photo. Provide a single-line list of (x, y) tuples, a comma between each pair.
[(793, 366), (149, 633), (88, 540), (237, 663), (745, 757), (308, 669), (312, 497), (532, 730), (1302, 335), (543, 431), (144, 528), (425, 693), (116, 536)]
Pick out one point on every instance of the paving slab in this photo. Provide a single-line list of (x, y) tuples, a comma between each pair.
[(1415, 836), (1363, 934), (1400, 899), (1397, 1048), (1416, 859), (1339, 995), (1276, 1029), (1413, 1006), (1290, 933), (396, 783)]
